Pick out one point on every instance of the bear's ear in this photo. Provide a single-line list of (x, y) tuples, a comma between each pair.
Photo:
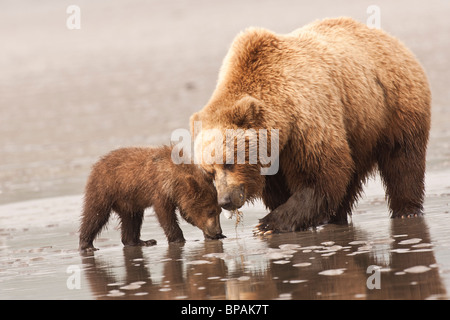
[(246, 113), (194, 118)]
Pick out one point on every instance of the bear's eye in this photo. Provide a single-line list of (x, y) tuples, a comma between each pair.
[(209, 173), (228, 166)]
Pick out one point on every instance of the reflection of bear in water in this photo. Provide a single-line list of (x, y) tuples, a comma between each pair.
[(129, 180), (346, 100)]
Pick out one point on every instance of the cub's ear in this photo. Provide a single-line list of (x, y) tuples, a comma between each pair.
[(192, 184), (246, 113)]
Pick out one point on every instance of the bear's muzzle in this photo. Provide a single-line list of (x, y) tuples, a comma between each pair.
[(233, 198)]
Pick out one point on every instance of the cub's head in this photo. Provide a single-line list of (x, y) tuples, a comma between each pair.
[(199, 206), (231, 146)]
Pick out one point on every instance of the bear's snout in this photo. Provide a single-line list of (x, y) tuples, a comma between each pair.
[(233, 198), (212, 229)]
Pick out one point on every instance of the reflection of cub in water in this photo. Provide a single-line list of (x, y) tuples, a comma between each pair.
[(130, 180)]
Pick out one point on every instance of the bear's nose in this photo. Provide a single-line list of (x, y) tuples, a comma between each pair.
[(225, 201)]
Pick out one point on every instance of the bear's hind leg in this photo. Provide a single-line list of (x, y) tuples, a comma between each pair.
[(345, 208), (402, 170), (354, 190), (93, 220), (131, 229)]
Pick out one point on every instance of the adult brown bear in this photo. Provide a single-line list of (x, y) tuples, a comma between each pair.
[(346, 99)]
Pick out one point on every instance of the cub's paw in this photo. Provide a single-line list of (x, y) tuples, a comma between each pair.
[(148, 243), (88, 249)]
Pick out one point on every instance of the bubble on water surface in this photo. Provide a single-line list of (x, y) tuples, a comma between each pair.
[(115, 293), (357, 242), (220, 255), (297, 281), (422, 245), (410, 241), (417, 269), (302, 264), (165, 289), (332, 272), (284, 296), (131, 286), (281, 261), (400, 250), (195, 262), (116, 284), (288, 246)]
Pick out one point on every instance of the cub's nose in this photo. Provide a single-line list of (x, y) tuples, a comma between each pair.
[(215, 237)]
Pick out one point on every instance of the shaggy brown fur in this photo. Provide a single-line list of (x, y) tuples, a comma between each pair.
[(129, 180), (347, 100)]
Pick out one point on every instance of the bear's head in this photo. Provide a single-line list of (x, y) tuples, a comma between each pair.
[(198, 204), (231, 145)]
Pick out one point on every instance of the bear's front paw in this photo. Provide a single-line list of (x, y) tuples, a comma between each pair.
[(267, 225), (262, 229)]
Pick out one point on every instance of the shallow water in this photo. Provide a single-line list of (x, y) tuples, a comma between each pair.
[(374, 257)]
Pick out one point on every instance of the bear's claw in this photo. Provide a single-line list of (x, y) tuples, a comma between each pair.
[(410, 215), (262, 229)]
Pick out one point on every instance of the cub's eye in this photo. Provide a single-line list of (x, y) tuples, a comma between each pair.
[(228, 166), (212, 213)]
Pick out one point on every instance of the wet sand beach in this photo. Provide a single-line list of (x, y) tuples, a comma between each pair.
[(132, 74)]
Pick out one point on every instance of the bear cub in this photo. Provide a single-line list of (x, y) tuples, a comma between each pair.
[(129, 180)]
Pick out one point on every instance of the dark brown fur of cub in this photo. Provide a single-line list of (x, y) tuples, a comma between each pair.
[(129, 180)]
